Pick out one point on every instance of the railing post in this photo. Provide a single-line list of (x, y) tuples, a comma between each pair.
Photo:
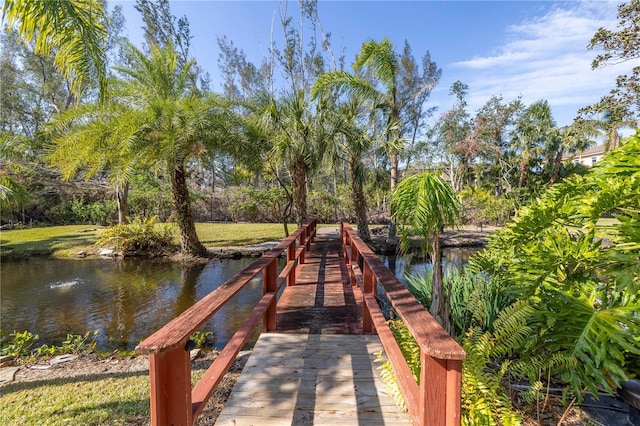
[(304, 245), (312, 226), (440, 387), (291, 257), (170, 377), (355, 254), (368, 281), (270, 285)]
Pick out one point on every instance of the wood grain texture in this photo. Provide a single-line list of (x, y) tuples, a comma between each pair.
[(312, 379)]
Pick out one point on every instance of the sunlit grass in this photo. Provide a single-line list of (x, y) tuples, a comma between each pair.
[(59, 241), (115, 399), (68, 241), (239, 234)]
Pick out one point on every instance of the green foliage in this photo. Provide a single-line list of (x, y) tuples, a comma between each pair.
[(77, 343), (19, 345), (481, 206), (474, 301), (139, 237), (97, 212), (200, 338), (256, 204), (484, 399), (585, 293)]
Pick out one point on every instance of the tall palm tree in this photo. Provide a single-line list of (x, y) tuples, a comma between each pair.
[(156, 122), (297, 138), (180, 125), (533, 131), (423, 204), (350, 144), (382, 61), (72, 29)]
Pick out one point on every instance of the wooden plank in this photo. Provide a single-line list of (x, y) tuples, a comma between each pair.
[(214, 374), (312, 379)]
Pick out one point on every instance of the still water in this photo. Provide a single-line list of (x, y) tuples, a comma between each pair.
[(127, 300)]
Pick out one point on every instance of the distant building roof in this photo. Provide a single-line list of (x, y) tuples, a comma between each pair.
[(589, 152)]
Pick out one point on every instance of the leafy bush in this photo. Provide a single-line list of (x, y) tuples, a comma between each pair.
[(140, 237), (485, 401), (475, 301), (21, 345), (586, 294), (97, 212), (481, 206)]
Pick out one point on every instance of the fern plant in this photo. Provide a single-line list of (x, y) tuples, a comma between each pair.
[(140, 237), (484, 399)]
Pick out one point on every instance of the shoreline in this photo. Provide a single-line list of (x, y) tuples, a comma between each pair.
[(450, 238)]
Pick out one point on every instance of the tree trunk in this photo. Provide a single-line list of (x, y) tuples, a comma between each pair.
[(523, 174), (359, 202), (300, 190), (439, 298), (613, 140), (122, 199), (555, 170), (189, 242), (394, 170)]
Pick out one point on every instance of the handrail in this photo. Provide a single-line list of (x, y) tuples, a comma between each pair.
[(173, 401), (435, 399)]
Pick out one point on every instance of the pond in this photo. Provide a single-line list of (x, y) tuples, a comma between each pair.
[(127, 300)]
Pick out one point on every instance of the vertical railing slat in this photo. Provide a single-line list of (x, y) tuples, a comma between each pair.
[(170, 377), (270, 285)]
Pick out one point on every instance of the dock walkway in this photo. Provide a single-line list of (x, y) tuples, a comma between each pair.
[(317, 368)]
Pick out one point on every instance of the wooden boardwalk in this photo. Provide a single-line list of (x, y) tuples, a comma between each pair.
[(318, 368)]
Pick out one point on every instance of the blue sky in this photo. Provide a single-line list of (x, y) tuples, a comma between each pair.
[(534, 49)]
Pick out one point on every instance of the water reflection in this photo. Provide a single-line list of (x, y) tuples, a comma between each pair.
[(453, 259), (128, 300), (125, 300)]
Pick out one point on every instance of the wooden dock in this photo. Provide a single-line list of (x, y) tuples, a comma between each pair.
[(322, 329), (318, 368), (312, 379)]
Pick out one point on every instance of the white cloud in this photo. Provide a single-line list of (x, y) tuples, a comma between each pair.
[(545, 57)]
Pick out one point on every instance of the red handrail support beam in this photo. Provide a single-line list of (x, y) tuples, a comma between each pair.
[(173, 401), (433, 400)]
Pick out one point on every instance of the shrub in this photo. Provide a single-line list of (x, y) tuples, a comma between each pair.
[(141, 237)]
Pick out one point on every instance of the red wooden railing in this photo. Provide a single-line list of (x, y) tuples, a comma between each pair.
[(173, 401), (435, 401)]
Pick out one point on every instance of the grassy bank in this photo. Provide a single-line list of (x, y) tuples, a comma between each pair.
[(68, 241), (95, 391)]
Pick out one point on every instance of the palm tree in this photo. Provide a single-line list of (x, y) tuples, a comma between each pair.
[(423, 204), (72, 29), (382, 61), (534, 129), (297, 138), (99, 137), (350, 143), (180, 125), (155, 122)]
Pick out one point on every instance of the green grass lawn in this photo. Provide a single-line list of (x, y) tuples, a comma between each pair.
[(97, 399), (67, 241), (59, 241)]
